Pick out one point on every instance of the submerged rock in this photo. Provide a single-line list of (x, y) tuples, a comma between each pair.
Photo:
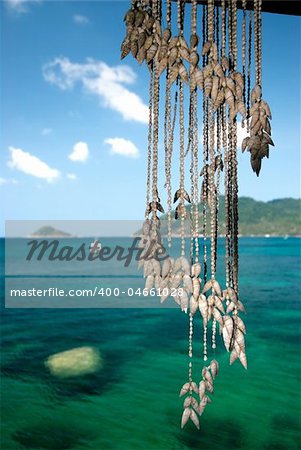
[(73, 363)]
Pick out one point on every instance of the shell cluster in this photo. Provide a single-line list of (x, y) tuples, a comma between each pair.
[(194, 407), (180, 209), (143, 35), (219, 86), (234, 329), (260, 130)]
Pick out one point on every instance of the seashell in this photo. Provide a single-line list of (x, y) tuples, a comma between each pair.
[(177, 265), (245, 143), (164, 282), (194, 387), (193, 305), (243, 359), (233, 356), (228, 331), (149, 282), (134, 48), (218, 70), (217, 316), (196, 287), (256, 94), (206, 48), (148, 268), (187, 402), (230, 84), (232, 294), (173, 42), (184, 390), (264, 105), (218, 303), (199, 77), (209, 387), (192, 82), (214, 52), (203, 307), (194, 40), (183, 72), (225, 63), (162, 53), (173, 74), (157, 281), (220, 98), (196, 269), (166, 267), (210, 300), (255, 164), (240, 324), (157, 266), (183, 43), (141, 55), (141, 39), (176, 281), (240, 339), (139, 18), (267, 139), (134, 36), (254, 108), (216, 287), (194, 418), (187, 282), (207, 375), (239, 80), (125, 48), (194, 58), (215, 86), (184, 302), (151, 52), (162, 66), (184, 53), (165, 295), (214, 368), (202, 389), (194, 404), (264, 150), (149, 23), (148, 42), (255, 118), (267, 126), (166, 34), (238, 92), (242, 109), (177, 299), (185, 417), (202, 405), (229, 98), (230, 308), (129, 17), (208, 86), (207, 71), (185, 265), (177, 195), (208, 285)]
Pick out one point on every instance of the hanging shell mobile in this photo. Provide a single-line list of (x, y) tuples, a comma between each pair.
[(208, 65)]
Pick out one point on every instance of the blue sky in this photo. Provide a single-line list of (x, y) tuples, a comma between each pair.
[(73, 122)]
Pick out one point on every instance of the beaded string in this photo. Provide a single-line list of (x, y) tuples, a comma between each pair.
[(249, 70), (244, 49), (149, 147)]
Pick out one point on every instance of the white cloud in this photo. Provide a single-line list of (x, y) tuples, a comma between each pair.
[(101, 80), (31, 165), (71, 176), (80, 152), (46, 131), (20, 6), (7, 181), (124, 147), (80, 20)]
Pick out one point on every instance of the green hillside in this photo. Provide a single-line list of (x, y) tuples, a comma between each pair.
[(276, 217)]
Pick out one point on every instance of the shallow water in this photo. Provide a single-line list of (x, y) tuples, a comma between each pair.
[(132, 403)]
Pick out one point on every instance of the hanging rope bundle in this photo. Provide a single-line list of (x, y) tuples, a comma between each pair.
[(190, 278)]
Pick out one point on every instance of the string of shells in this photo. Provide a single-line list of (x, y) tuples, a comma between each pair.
[(197, 397), (260, 130)]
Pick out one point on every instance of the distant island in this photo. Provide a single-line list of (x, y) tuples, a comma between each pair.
[(256, 218), (48, 231)]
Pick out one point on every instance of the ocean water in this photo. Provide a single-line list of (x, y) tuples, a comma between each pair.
[(132, 402)]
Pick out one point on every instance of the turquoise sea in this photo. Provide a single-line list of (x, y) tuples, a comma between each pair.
[(133, 403)]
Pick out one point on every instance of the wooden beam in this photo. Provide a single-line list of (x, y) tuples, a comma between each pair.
[(289, 7)]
